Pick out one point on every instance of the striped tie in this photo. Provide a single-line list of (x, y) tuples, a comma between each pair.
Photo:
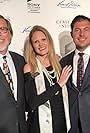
[(7, 74)]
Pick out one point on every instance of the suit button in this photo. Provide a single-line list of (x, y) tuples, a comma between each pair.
[(47, 121), (16, 123), (17, 106), (32, 111), (80, 93)]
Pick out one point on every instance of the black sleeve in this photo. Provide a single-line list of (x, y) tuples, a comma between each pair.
[(33, 100)]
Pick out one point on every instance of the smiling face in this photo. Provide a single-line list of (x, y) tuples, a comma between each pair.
[(5, 36), (40, 43), (81, 34)]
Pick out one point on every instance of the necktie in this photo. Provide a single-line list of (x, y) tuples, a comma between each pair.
[(7, 74), (80, 69)]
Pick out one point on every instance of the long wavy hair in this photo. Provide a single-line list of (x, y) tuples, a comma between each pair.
[(30, 54)]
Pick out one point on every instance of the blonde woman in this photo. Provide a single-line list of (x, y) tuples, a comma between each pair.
[(45, 90)]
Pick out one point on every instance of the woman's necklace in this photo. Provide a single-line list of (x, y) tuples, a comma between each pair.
[(50, 75)]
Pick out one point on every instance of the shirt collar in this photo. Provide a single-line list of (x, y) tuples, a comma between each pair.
[(86, 51), (7, 54)]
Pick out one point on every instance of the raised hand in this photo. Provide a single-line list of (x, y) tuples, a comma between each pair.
[(66, 72)]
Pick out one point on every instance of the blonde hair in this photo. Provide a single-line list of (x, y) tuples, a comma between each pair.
[(30, 55)]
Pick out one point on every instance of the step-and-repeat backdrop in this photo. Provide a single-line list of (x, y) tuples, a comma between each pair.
[(54, 15)]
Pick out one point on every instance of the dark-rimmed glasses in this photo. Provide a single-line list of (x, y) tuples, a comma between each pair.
[(3, 30)]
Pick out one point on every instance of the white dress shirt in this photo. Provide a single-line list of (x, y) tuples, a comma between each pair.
[(12, 70), (86, 57)]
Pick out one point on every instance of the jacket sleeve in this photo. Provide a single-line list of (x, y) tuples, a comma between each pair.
[(33, 100)]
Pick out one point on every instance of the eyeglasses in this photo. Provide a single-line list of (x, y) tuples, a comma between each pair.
[(3, 30)]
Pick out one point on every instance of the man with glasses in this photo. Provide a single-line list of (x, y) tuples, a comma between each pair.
[(12, 109)]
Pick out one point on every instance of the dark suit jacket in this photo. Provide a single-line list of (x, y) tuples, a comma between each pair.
[(12, 117), (79, 100)]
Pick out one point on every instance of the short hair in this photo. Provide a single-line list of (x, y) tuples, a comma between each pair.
[(78, 19), (8, 24)]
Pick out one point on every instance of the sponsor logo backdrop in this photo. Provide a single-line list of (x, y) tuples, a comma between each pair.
[(55, 15)]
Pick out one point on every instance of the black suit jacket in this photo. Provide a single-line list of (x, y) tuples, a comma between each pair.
[(79, 100), (12, 117)]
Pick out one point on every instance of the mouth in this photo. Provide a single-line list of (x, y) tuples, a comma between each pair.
[(82, 39), (42, 48), (1, 40)]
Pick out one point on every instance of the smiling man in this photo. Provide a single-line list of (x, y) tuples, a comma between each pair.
[(79, 82), (12, 116)]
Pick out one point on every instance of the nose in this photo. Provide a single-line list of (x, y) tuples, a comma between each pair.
[(81, 32), (40, 43)]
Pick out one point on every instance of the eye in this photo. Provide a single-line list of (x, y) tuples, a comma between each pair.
[(36, 41), (44, 39), (87, 29), (77, 30), (4, 29)]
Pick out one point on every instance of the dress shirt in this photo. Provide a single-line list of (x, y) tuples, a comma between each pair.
[(12, 70), (86, 57)]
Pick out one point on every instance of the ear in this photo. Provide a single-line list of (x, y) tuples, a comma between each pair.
[(71, 34)]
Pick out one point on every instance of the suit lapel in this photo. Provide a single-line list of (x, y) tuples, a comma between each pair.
[(3, 80), (18, 68), (16, 64), (72, 89), (87, 74), (70, 62)]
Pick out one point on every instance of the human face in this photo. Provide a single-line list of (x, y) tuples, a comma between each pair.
[(40, 43), (81, 34), (5, 37)]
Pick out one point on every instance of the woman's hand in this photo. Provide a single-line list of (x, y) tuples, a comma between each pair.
[(27, 68), (66, 72)]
